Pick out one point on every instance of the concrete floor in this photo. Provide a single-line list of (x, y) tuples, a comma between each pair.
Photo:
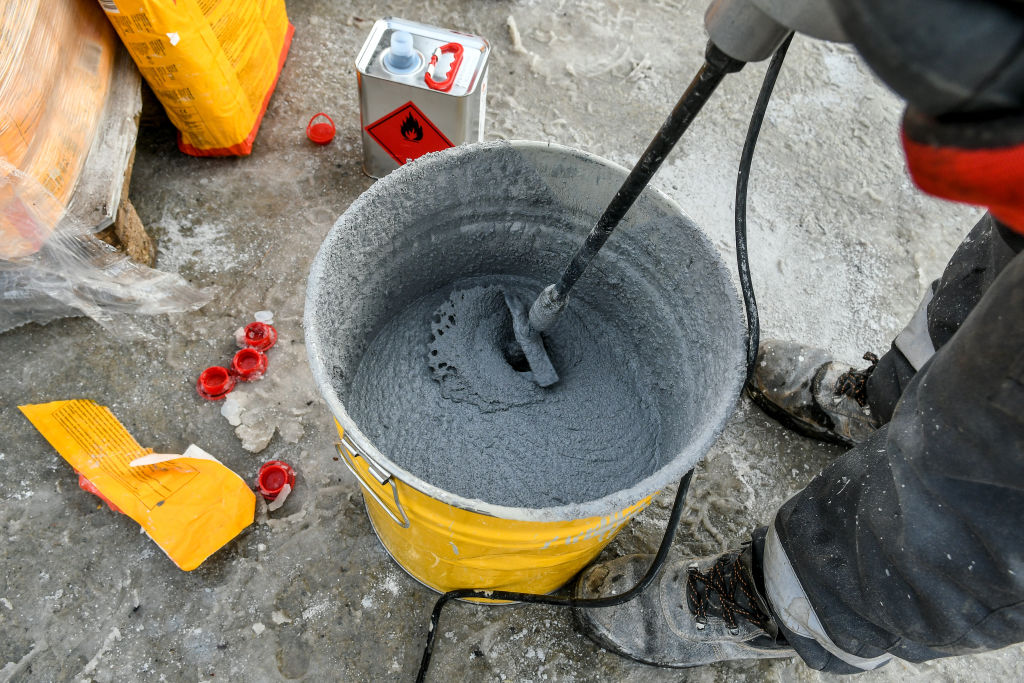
[(842, 248)]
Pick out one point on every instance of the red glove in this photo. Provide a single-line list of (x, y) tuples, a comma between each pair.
[(960, 67), (976, 163)]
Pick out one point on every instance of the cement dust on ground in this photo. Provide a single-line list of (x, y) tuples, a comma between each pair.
[(842, 248)]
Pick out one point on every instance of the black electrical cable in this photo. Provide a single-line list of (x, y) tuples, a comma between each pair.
[(560, 601), (742, 179), (753, 335)]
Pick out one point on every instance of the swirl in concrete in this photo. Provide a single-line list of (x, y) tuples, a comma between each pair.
[(436, 392)]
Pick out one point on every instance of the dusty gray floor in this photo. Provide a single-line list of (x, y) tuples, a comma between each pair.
[(842, 248)]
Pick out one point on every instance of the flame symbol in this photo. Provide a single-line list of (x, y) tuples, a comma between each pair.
[(411, 130)]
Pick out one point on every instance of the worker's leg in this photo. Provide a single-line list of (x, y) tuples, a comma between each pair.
[(806, 390), (911, 544), (979, 259)]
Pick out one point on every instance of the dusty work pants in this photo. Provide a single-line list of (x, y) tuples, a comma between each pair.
[(912, 543)]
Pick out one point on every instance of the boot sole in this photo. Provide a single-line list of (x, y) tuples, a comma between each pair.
[(582, 627), (789, 422)]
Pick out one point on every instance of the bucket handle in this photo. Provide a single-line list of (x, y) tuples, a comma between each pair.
[(347, 451)]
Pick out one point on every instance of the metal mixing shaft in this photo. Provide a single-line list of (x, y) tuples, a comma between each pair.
[(717, 64), (740, 31)]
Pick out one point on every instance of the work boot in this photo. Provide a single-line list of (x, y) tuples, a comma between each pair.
[(807, 391), (697, 611)]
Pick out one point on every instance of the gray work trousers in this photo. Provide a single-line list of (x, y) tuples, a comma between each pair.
[(912, 543)]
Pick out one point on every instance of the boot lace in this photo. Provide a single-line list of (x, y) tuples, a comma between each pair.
[(854, 383), (724, 578)]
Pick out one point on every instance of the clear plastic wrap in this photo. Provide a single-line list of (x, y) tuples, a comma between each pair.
[(74, 273), (56, 66), (56, 58)]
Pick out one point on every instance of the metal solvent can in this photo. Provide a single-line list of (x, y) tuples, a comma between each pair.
[(421, 89)]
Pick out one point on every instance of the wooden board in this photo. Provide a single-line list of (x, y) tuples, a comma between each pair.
[(100, 199)]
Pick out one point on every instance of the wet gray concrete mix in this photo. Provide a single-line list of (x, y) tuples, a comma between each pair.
[(437, 394)]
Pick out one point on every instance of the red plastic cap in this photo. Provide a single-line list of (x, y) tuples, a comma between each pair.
[(215, 383), (249, 364), (321, 132), (273, 476), (260, 336)]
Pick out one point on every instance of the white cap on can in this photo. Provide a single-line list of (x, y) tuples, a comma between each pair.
[(401, 58)]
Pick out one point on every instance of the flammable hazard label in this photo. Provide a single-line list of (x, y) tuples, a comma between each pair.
[(407, 134)]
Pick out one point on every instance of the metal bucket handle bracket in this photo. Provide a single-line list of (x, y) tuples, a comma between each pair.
[(347, 451)]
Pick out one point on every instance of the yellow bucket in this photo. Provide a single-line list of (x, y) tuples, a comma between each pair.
[(370, 268), (446, 547)]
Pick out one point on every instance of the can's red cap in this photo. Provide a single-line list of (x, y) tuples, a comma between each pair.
[(249, 364), (273, 476), (215, 383), (320, 132), (260, 336)]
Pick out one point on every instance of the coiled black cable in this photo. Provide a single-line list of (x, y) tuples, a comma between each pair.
[(753, 338)]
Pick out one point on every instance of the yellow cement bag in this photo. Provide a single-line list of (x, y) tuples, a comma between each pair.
[(212, 63), (56, 58)]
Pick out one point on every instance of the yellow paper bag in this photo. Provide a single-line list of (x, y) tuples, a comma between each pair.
[(212, 63), (190, 505)]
